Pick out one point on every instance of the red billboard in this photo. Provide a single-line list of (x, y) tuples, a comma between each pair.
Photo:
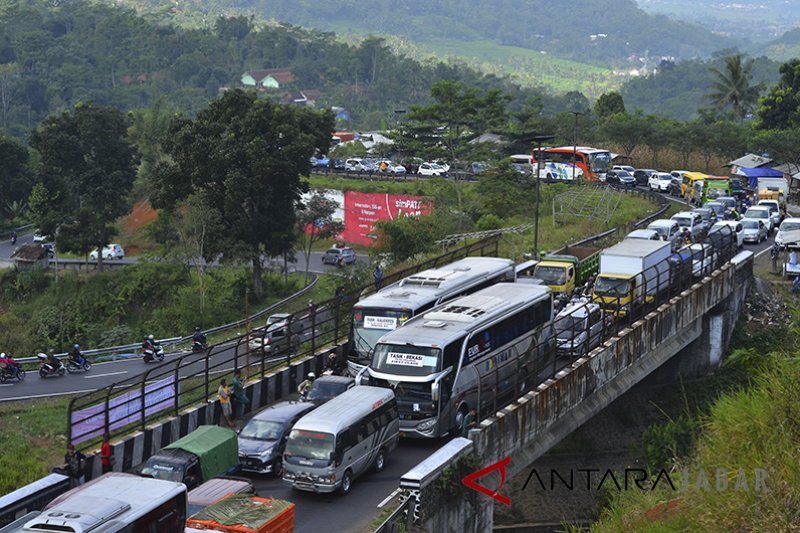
[(362, 210)]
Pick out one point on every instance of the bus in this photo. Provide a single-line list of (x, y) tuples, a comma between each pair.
[(113, 503), (687, 183), (567, 163), (479, 351), (337, 442), (394, 304), (32, 497)]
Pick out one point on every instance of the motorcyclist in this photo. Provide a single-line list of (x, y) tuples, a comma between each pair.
[(305, 386), (50, 360), (76, 356), (198, 336), (149, 344), (8, 365), (687, 236), (13, 237)]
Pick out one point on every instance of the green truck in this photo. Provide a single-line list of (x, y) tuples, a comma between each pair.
[(567, 268), (207, 452)]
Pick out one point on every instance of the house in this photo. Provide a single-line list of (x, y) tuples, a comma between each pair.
[(306, 97), (31, 257), (265, 79), (748, 161)]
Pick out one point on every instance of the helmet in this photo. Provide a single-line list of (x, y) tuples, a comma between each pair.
[(41, 356), (197, 328), (77, 346), (311, 302), (311, 375), (151, 337), (3, 355)]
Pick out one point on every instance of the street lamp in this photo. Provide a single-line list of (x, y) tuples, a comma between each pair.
[(575, 143), (539, 139)]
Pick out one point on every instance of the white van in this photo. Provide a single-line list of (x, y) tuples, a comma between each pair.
[(337, 442)]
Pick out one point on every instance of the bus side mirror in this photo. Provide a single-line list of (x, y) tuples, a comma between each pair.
[(435, 390)]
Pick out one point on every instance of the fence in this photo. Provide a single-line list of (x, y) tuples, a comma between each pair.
[(133, 403)]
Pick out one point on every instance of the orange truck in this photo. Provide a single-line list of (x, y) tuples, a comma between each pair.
[(242, 513)]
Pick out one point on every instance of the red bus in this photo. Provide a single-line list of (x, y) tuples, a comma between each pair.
[(567, 163)]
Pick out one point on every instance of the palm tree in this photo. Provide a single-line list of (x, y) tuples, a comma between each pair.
[(732, 86)]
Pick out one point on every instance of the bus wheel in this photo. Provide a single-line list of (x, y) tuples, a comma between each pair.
[(347, 483), (462, 413), (380, 461)]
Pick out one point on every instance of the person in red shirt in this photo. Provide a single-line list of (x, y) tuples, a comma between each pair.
[(105, 453)]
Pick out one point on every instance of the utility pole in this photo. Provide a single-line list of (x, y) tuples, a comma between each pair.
[(575, 144), (539, 167)]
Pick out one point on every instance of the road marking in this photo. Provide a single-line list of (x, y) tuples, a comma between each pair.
[(104, 375), (6, 384), (34, 396), (389, 498)]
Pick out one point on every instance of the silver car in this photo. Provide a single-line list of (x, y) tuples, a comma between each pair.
[(754, 230)]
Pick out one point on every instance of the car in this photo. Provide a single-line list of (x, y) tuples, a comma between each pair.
[(717, 207), (620, 178), (355, 164), (732, 225), (110, 251), (578, 329), (322, 161), (339, 164), (675, 186), (761, 213), (754, 230), (263, 438), (729, 202), (646, 234), (678, 174), (38, 237), (431, 169), (326, 388), (444, 164), (704, 259), (523, 169), (627, 168), (339, 256), (277, 318), (391, 167), (790, 224), (669, 230), (642, 175), (709, 216), (659, 181), (693, 222), (775, 209)]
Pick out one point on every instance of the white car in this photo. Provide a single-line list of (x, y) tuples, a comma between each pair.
[(659, 181), (704, 259), (645, 234), (763, 214), (111, 251), (431, 169), (38, 237), (791, 224), (735, 227), (626, 168), (669, 230), (355, 164)]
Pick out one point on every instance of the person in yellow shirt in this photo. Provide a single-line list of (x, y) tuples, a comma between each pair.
[(224, 395)]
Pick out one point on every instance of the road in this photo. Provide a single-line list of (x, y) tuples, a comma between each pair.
[(6, 249), (351, 513)]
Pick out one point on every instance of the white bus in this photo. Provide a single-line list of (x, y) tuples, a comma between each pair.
[(112, 503), (479, 351), (340, 440), (391, 306)]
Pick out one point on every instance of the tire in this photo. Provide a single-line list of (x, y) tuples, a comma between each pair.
[(3, 377), (87, 366), (460, 415), (21, 375), (72, 367), (42, 373), (62, 371), (380, 461), (347, 483)]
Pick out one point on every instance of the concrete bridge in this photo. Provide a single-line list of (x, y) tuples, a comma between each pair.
[(689, 332)]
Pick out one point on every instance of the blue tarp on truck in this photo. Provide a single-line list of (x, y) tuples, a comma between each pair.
[(753, 174)]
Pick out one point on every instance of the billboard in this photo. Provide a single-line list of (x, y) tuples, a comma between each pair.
[(362, 210)]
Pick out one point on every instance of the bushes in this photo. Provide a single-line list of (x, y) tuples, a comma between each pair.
[(121, 306)]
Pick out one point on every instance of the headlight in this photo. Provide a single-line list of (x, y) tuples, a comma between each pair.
[(265, 454), (426, 425)]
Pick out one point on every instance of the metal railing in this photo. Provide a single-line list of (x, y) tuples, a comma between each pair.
[(169, 387)]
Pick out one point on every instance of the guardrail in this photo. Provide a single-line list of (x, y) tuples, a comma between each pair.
[(7, 233), (174, 341), (174, 385)]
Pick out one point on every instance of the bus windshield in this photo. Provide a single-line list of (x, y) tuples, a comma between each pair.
[(551, 275), (309, 445), (370, 324), (611, 286), (600, 162), (406, 360)]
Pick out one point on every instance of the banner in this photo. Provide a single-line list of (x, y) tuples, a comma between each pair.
[(124, 409), (362, 210)]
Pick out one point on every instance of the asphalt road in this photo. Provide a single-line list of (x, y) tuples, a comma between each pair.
[(352, 513)]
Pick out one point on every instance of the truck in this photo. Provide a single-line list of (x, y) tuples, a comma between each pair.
[(712, 188), (205, 453), (567, 268), (632, 273), (242, 513), (773, 189)]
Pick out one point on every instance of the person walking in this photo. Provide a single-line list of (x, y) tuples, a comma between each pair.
[(106, 459), (75, 462), (238, 394), (224, 396), (378, 276)]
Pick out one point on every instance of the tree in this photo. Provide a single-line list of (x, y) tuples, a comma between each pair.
[(780, 108), (405, 237), (608, 104), (628, 130), (315, 222), (15, 177), (732, 86), (244, 156), (87, 170)]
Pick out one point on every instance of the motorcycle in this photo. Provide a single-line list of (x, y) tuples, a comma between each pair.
[(151, 355), (7, 373), (73, 366), (46, 369), (198, 346)]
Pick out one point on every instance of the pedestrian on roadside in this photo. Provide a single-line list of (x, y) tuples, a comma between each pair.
[(239, 394), (75, 462), (796, 285), (470, 421), (224, 396), (106, 459), (378, 275), (774, 254)]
